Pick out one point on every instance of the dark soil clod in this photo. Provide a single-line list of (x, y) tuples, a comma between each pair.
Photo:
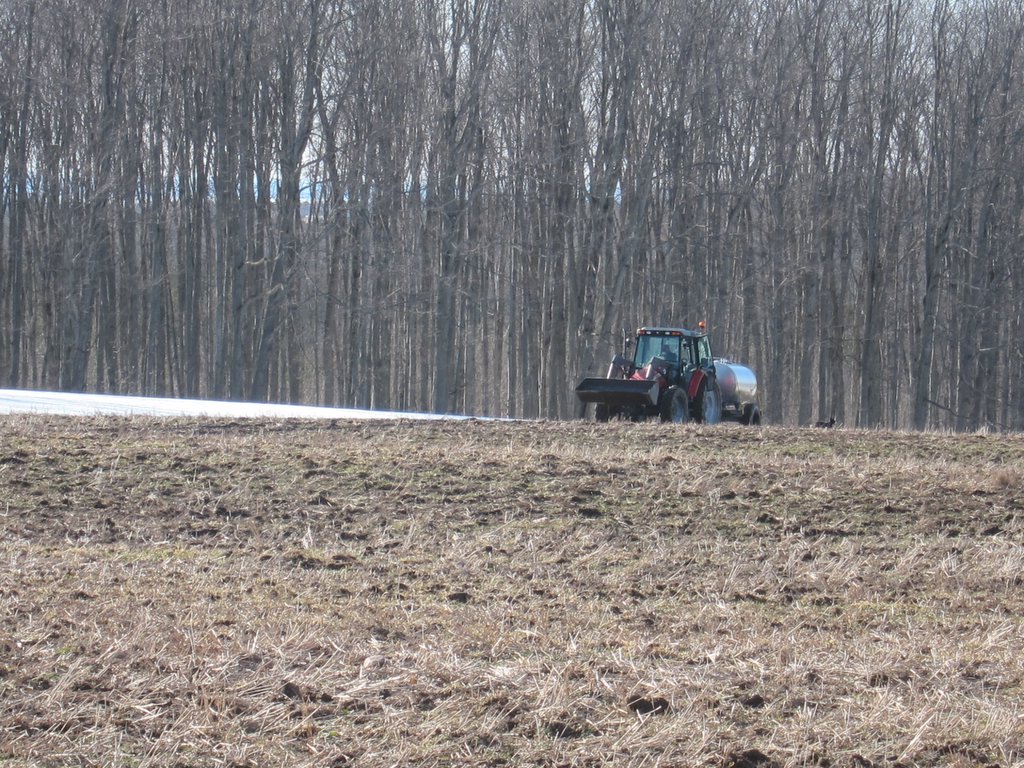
[(565, 730), (644, 705), (749, 758), (756, 701)]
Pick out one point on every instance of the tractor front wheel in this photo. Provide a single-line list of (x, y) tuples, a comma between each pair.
[(675, 406)]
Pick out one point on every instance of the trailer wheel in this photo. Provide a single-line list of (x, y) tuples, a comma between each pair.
[(675, 406), (751, 415), (709, 403)]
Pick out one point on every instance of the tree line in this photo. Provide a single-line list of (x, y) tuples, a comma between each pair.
[(459, 205)]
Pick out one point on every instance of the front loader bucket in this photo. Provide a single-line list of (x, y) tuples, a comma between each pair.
[(620, 392)]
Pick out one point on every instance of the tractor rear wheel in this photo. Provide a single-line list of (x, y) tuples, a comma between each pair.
[(709, 403), (675, 406)]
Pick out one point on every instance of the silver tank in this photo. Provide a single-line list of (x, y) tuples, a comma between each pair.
[(737, 383)]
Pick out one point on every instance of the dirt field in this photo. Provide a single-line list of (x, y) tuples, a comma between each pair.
[(484, 594)]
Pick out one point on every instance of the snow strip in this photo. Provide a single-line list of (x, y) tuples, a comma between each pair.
[(71, 404)]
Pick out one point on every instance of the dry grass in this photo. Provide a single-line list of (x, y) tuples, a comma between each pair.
[(250, 594)]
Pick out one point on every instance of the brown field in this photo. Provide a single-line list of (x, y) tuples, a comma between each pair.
[(181, 593)]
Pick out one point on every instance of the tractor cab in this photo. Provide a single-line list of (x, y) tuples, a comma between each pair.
[(679, 351)]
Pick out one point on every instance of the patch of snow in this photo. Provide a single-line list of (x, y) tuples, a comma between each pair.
[(71, 404)]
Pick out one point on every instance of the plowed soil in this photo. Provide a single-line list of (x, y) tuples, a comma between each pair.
[(178, 593)]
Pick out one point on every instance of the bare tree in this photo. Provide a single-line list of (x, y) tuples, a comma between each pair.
[(251, 199)]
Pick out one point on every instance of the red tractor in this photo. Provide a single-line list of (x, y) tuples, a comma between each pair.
[(673, 375)]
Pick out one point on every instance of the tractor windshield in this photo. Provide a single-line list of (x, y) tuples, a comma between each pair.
[(664, 347)]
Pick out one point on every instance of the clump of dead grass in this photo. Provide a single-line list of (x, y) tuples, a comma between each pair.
[(1004, 478)]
